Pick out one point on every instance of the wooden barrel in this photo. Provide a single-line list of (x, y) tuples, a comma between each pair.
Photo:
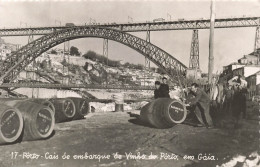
[(11, 124), (65, 109), (163, 113), (45, 102), (82, 107), (38, 119)]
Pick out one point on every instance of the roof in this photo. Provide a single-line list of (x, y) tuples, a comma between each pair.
[(257, 73), (250, 55), (257, 50), (234, 63)]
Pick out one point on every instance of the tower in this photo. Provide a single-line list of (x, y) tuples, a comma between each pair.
[(194, 66), (194, 52)]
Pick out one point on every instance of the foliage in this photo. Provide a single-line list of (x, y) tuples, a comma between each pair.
[(74, 51), (44, 64), (102, 59), (53, 52), (160, 71)]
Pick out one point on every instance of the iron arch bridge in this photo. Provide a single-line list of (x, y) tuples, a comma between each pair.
[(17, 61)]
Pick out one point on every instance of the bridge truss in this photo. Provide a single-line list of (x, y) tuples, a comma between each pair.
[(17, 61), (68, 86), (143, 26)]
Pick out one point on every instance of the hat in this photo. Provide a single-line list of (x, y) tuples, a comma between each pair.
[(164, 78), (157, 83)]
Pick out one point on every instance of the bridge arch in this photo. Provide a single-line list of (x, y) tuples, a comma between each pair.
[(17, 61)]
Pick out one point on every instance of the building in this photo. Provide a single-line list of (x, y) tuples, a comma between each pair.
[(246, 70), (251, 58), (253, 83), (4, 51), (147, 81), (229, 68)]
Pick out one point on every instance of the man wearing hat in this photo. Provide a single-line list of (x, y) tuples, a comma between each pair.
[(157, 92), (201, 101), (164, 88)]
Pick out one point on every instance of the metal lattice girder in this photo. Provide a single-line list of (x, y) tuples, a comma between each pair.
[(105, 48), (17, 61), (194, 51), (257, 39), (144, 26), (68, 86), (147, 61)]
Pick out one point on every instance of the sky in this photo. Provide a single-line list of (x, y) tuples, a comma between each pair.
[(229, 44)]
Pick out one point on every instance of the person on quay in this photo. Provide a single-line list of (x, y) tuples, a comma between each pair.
[(164, 88), (243, 101), (237, 104), (202, 102), (228, 98), (157, 92)]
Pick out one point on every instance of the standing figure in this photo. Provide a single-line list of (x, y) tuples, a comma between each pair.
[(164, 88), (157, 93), (228, 99), (202, 102), (237, 104), (243, 101)]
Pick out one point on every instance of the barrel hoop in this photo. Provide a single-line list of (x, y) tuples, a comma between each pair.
[(50, 105)]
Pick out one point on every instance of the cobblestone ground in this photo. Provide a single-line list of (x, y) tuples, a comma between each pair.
[(101, 135)]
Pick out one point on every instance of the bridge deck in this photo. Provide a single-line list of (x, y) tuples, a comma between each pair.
[(68, 86), (144, 26)]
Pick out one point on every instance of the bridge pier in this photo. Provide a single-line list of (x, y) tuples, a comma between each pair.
[(35, 91), (105, 54), (194, 66), (66, 49), (147, 61)]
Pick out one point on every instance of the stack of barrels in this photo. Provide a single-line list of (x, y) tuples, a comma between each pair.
[(163, 113), (34, 119)]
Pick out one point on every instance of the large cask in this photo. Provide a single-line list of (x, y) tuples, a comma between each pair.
[(163, 113), (45, 102), (82, 107), (38, 119), (65, 109), (11, 124)]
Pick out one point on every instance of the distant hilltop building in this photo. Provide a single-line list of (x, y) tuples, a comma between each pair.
[(251, 58), (247, 67), (6, 49)]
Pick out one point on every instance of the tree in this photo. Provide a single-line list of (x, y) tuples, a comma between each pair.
[(90, 55), (44, 64), (74, 51)]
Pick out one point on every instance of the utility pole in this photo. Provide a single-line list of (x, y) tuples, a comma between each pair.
[(257, 44), (211, 41)]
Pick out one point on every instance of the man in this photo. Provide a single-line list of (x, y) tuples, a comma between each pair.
[(237, 104), (228, 98), (202, 102), (157, 93), (164, 88)]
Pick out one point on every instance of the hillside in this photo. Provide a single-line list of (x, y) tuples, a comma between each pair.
[(87, 70)]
